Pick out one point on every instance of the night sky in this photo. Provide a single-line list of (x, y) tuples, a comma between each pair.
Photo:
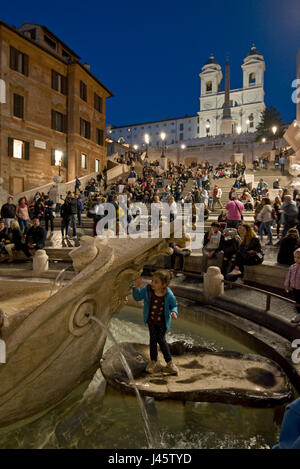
[(149, 53)]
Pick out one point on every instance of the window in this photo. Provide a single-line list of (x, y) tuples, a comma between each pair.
[(50, 42), (180, 136), (209, 87), (83, 91), (19, 61), (252, 79), (56, 157), (18, 106), (65, 54), (59, 82), (100, 137), (251, 124), (181, 127), (83, 161), (97, 102), (97, 166), (18, 149), (58, 121), (85, 129), (197, 130), (197, 120)]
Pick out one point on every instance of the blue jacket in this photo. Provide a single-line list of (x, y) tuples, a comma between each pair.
[(290, 428), (170, 303)]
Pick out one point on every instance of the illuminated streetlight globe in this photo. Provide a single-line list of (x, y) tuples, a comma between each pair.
[(135, 147), (147, 138), (239, 129), (274, 129), (263, 140), (207, 125), (183, 146), (247, 122), (163, 136)]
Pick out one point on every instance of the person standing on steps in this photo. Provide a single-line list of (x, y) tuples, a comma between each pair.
[(160, 306), (217, 194), (234, 212)]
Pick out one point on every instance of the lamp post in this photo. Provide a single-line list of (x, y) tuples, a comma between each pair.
[(147, 140), (163, 137), (274, 130), (239, 130), (207, 125)]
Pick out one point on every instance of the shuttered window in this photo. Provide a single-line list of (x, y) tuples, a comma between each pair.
[(18, 106), (19, 61), (100, 137), (58, 121), (97, 102), (85, 129), (18, 148), (59, 82), (83, 91)]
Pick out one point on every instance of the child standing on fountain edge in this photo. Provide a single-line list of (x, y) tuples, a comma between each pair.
[(160, 306)]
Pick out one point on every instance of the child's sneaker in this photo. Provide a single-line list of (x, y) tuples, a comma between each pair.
[(171, 368), (152, 366)]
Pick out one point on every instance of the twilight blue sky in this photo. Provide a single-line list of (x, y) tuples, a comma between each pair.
[(149, 53)]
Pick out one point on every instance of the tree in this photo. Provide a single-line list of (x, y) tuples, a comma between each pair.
[(270, 117)]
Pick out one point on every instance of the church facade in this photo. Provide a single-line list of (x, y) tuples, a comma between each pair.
[(246, 106), (246, 103)]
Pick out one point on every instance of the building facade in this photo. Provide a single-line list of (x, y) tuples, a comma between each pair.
[(52, 110), (246, 105)]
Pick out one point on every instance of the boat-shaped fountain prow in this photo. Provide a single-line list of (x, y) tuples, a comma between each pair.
[(204, 375), (51, 344)]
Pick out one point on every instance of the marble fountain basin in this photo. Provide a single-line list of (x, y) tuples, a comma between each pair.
[(204, 375)]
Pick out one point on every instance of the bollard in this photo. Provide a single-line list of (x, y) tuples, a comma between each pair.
[(40, 261), (213, 283)]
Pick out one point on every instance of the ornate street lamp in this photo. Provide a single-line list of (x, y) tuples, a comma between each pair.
[(239, 130), (163, 137), (274, 130), (207, 125), (147, 141)]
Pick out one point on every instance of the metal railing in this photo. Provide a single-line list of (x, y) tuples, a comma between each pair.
[(268, 294)]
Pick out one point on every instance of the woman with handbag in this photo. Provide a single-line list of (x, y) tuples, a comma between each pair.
[(249, 253)]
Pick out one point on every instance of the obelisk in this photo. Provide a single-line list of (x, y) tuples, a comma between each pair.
[(298, 77), (226, 123)]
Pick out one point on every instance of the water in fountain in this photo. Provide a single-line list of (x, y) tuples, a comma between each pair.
[(56, 284), (149, 436)]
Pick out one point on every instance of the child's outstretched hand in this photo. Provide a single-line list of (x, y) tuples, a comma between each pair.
[(138, 282), (173, 315)]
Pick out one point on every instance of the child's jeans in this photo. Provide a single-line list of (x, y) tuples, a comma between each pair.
[(157, 336)]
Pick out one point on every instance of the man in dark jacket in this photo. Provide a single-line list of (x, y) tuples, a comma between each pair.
[(36, 236), (72, 209), (8, 212)]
